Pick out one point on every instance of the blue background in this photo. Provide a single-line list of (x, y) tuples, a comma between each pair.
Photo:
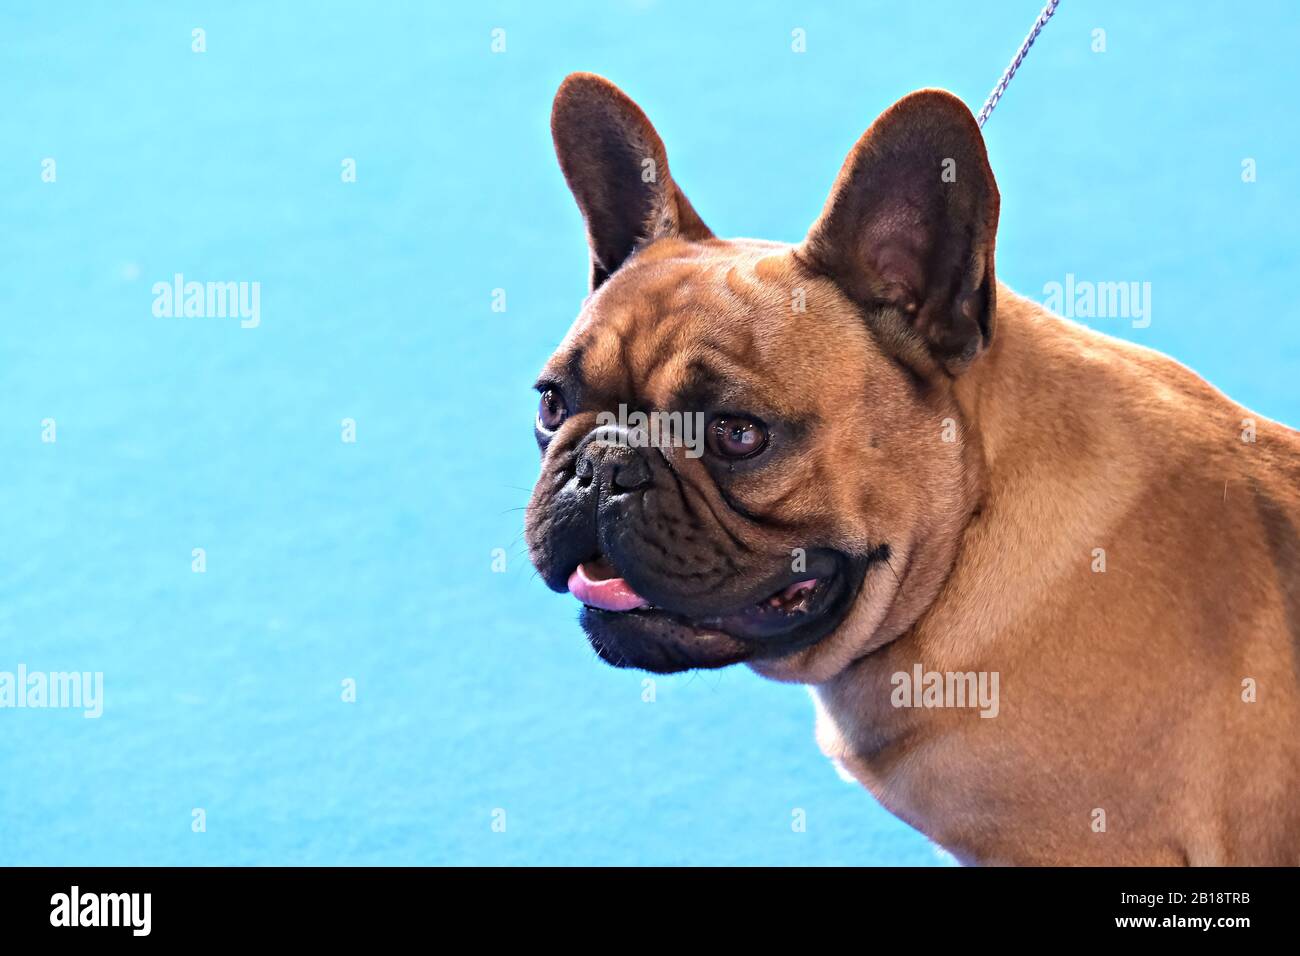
[(373, 560)]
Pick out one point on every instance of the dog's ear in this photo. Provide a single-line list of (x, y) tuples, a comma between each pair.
[(616, 167), (908, 231)]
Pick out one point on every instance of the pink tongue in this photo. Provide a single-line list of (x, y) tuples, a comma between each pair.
[(610, 594)]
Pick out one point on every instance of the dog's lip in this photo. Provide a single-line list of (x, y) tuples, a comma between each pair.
[(661, 642), (599, 585)]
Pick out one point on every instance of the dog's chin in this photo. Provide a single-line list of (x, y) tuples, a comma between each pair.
[(660, 640)]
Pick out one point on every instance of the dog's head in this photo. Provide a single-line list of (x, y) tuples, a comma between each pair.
[(751, 451)]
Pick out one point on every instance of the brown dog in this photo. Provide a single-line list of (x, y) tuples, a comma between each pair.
[(913, 483)]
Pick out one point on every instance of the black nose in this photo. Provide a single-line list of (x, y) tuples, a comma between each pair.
[(618, 469)]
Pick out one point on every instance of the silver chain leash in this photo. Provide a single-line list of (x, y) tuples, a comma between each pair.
[(1010, 71)]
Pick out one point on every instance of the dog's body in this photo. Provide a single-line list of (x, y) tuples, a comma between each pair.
[(1121, 690), (966, 483)]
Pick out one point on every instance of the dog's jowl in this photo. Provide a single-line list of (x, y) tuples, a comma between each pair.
[(1045, 584)]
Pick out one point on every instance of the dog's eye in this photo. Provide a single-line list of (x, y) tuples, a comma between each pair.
[(736, 437), (551, 410)]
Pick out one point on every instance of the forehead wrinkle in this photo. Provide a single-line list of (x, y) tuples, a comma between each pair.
[(727, 382), (743, 289), (760, 294), (664, 382), (708, 320), (731, 319), (669, 307), (683, 352), (680, 309), (661, 339), (604, 357)]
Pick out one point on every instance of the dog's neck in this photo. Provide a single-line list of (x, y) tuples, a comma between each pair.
[(1019, 403), (1011, 389), (1015, 401)]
